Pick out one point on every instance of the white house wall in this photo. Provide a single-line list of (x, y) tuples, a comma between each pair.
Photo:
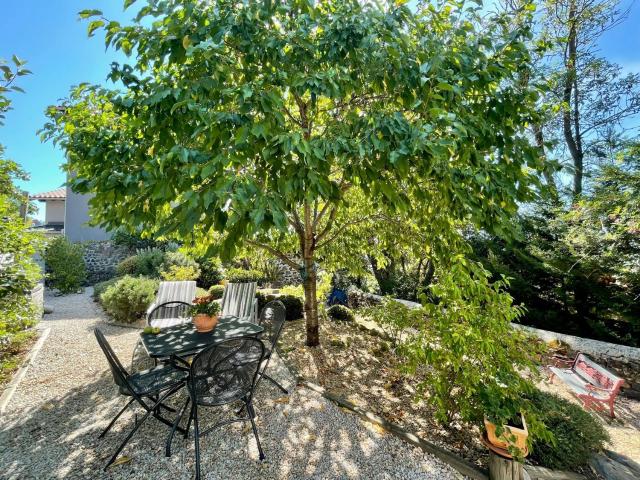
[(54, 212), (76, 218)]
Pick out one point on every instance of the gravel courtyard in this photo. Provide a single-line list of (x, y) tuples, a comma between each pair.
[(51, 426)]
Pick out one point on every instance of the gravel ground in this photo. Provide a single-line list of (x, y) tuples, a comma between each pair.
[(51, 427)]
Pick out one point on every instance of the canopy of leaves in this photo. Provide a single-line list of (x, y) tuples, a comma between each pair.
[(234, 115)]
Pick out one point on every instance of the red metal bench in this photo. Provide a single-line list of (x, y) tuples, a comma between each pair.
[(594, 385)]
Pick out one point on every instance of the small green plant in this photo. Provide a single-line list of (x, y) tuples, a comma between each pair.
[(205, 306), (293, 290), (216, 291), (180, 273), (128, 298), (147, 262), (578, 435), (341, 313), (65, 266), (239, 275), (293, 305), (211, 272)]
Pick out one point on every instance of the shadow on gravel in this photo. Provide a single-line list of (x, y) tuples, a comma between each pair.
[(306, 438)]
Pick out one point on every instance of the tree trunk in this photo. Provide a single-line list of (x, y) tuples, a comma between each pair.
[(309, 279), (572, 138), (311, 304)]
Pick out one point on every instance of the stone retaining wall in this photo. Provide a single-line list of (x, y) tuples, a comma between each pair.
[(101, 259), (286, 274)]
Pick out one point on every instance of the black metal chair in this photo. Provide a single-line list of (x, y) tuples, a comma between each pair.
[(149, 388), (222, 374), (272, 319)]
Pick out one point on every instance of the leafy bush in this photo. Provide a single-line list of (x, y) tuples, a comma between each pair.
[(341, 313), (178, 259), (65, 266), (147, 262), (134, 241), (294, 306), (395, 318), (101, 287), (180, 273), (469, 346), (239, 275), (211, 272), (293, 290), (216, 291), (577, 434), (128, 298)]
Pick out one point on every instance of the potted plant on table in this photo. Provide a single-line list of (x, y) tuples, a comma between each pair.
[(204, 313)]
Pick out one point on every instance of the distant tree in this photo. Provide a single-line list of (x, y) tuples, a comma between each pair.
[(596, 100), (257, 120)]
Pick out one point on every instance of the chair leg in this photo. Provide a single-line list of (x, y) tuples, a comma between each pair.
[(284, 390), (116, 418), (196, 434), (175, 426), (252, 416), (126, 440), (186, 432), (149, 411)]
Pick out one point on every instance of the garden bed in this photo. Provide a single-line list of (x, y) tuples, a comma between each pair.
[(13, 354), (356, 365)]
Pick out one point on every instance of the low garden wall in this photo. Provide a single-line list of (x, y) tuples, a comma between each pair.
[(101, 259), (621, 359)]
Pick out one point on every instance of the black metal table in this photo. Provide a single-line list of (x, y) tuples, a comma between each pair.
[(186, 340)]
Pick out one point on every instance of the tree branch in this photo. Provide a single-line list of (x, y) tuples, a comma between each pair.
[(275, 252)]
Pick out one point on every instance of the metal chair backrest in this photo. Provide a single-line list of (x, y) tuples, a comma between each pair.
[(117, 370), (272, 319), (226, 371), (238, 298), (181, 291)]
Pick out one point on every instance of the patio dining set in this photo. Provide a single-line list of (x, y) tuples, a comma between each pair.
[(217, 368)]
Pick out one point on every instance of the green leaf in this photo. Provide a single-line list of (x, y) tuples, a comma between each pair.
[(89, 13), (93, 26)]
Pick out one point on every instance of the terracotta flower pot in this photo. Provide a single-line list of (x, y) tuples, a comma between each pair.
[(520, 434), (204, 322)]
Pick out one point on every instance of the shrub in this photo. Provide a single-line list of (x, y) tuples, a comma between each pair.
[(128, 266), (341, 313), (294, 306), (134, 241), (128, 298), (356, 298), (216, 291), (211, 272), (65, 265), (577, 434), (179, 259), (101, 287), (147, 262), (239, 275), (469, 346), (293, 290), (180, 273)]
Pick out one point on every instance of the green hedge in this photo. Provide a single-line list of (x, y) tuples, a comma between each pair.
[(65, 266), (239, 275), (216, 291), (127, 299), (293, 305), (341, 313), (578, 435)]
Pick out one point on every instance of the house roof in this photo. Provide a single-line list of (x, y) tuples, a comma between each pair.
[(57, 194)]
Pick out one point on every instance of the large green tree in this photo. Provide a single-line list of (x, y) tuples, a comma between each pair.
[(256, 119)]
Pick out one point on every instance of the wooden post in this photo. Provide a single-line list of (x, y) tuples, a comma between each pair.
[(501, 468)]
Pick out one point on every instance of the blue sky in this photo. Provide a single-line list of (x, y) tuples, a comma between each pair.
[(49, 36)]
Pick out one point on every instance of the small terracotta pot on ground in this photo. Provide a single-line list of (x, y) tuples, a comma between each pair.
[(520, 434), (204, 322)]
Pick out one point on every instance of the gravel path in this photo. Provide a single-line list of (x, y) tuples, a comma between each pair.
[(51, 426)]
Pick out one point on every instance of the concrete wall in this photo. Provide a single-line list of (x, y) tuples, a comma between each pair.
[(76, 218), (54, 211)]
